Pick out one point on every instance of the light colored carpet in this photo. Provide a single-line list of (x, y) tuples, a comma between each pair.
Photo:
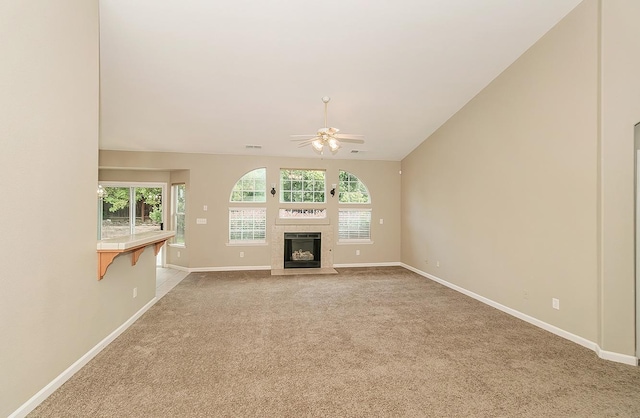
[(365, 342)]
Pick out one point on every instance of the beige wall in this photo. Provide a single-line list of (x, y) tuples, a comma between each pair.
[(53, 308), (524, 196), (620, 109), (504, 195), (210, 179), (148, 176)]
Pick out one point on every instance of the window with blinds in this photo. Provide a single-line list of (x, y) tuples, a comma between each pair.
[(247, 225), (354, 224)]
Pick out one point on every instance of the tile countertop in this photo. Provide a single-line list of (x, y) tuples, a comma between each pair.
[(131, 241)]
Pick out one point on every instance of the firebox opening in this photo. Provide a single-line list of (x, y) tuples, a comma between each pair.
[(302, 250)]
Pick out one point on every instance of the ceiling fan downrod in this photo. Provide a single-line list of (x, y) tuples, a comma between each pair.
[(325, 100)]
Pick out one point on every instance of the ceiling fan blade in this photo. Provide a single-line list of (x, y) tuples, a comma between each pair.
[(348, 136), (297, 136), (333, 131), (304, 139), (305, 142), (352, 140)]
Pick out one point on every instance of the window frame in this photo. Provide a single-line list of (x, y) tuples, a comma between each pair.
[(241, 181), (175, 213), (254, 241), (357, 181), (369, 211), (302, 190), (354, 207), (132, 185)]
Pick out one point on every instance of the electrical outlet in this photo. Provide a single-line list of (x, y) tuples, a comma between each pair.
[(205, 208), (555, 303), (381, 221), (437, 264), (357, 252), (201, 221), (241, 254), (178, 254), (135, 292)]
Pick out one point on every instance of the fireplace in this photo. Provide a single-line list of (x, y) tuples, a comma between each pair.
[(302, 249)]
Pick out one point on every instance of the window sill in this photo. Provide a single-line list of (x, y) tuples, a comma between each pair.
[(247, 244), (354, 242)]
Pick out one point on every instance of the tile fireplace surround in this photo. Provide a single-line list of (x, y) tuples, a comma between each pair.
[(277, 243)]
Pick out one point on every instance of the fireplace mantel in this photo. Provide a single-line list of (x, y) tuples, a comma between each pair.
[(302, 221)]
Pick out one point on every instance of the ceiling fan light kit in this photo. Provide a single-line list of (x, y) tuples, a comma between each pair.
[(317, 144), (327, 136)]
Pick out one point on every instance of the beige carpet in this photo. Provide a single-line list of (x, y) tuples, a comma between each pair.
[(363, 343)]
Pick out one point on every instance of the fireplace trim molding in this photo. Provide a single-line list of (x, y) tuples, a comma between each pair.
[(277, 243)]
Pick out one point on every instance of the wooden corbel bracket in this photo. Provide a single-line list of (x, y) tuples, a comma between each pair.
[(106, 257)]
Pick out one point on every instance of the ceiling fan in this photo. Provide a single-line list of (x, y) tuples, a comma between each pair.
[(327, 136)]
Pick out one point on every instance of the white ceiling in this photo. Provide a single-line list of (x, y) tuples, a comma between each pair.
[(205, 76)]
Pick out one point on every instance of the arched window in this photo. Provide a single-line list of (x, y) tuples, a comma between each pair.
[(351, 189), (252, 187), (248, 221), (354, 223)]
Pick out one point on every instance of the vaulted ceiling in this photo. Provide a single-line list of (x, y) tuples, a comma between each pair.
[(205, 76)]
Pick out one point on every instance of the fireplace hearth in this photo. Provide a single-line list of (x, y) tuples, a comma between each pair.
[(302, 249)]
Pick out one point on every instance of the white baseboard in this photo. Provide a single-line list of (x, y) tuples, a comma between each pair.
[(175, 267), (617, 357), (227, 268), (246, 268), (606, 355), (45, 392), (389, 264)]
